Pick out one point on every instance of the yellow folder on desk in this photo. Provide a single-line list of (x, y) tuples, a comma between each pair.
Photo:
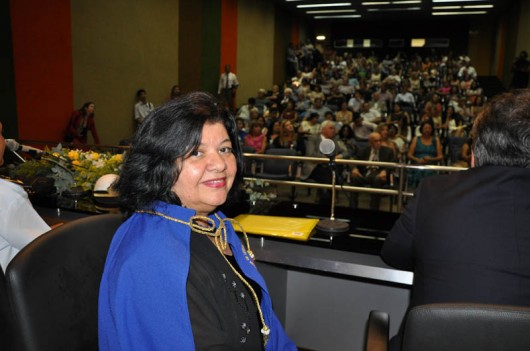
[(281, 227)]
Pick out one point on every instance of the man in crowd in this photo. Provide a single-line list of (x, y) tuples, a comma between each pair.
[(19, 223), (321, 172), (319, 108), (228, 84), (466, 235), (142, 107), (374, 176)]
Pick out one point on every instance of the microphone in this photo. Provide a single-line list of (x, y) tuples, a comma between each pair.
[(331, 226), (14, 146), (327, 147)]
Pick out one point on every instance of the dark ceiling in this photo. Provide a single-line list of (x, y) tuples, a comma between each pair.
[(377, 10)]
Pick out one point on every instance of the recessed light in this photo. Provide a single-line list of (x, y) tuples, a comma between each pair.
[(338, 16), (459, 13), (330, 11), (324, 5)]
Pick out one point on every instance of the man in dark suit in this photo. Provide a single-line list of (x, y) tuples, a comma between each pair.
[(466, 236), (374, 176)]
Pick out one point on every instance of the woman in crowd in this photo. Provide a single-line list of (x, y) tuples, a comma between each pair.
[(256, 138), (393, 136), (274, 133), (453, 123), (382, 129), (402, 119), (177, 277), (289, 112), (344, 115), (288, 136), (477, 106), (81, 122), (425, 149), (345, 134)]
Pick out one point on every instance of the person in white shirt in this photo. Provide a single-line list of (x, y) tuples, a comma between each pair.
[(142, 107), (369, 114), (19, 222), (227, 87)]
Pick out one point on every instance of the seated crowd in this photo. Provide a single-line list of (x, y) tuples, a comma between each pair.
[(412, 106)]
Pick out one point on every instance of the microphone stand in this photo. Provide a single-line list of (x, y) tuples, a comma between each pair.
[(332, 226)]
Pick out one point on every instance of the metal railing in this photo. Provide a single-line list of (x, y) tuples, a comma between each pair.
[(399, 190)]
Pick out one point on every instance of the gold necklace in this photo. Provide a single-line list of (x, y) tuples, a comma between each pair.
[(221, 243)]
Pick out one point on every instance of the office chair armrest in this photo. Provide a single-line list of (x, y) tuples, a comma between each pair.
[(377, 330)]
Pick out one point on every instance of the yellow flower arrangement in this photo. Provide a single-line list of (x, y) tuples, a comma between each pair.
[(72, 168)]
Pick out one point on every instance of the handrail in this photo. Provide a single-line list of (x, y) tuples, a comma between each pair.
[(400, 167)]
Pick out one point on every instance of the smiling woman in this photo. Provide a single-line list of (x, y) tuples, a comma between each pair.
[(176, 275)]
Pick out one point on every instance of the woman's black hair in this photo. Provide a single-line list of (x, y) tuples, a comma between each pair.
[(343, 129), (429, 122), (85, 106), (169, 133)]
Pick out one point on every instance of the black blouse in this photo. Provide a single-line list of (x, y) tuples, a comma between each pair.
[(222, 310)]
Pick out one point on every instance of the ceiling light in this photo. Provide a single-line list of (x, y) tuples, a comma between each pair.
[(446, 7), (417, 43), (455, 0), (478, 6), (338, 16), (395, 9), (404, 2), (321, 37), (325, 5), (374, 3), (330, 11), (459, 13)]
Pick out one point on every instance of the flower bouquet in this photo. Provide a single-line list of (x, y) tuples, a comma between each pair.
[(73, 171)]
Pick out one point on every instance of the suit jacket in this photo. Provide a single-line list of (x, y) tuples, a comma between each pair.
[(385, 155), (466, 237)]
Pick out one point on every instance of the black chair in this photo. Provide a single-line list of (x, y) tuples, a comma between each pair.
[(7, 338), (278, 169), (250, 164), (275, 169), (53, 285), (456, 327)]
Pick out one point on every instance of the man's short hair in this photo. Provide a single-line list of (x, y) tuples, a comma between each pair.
[(139, 91), (501, 132)]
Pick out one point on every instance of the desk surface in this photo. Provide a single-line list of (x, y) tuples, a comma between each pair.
[(347, 255)]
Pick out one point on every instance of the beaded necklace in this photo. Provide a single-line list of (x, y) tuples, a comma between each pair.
[(220, 237)]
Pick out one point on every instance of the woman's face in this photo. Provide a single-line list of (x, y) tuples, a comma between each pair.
[(276, 127), (426, 130), (90, 109), (288, 126), (384, 132), (208, 174)]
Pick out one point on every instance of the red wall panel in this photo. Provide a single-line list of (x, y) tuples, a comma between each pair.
[(228, 34), (42, 55)]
